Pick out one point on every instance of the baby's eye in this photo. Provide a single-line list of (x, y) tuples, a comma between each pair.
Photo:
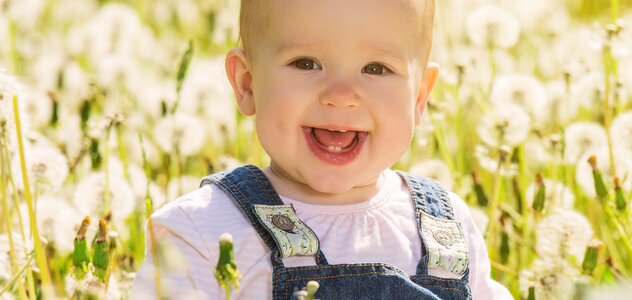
[(306, 64), (375, 69)]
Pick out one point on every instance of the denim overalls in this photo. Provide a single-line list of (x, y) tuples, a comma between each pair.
[(443, 245)]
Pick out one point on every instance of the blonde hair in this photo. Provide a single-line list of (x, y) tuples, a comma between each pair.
[(254, 18)]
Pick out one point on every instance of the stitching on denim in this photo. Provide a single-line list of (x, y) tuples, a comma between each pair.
[(262, 232), (265, 185), (308, 268), (287, 282)]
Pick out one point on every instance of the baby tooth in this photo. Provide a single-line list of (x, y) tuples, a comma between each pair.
[(331, 148)]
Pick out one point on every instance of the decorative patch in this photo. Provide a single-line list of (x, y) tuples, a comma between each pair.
[(445, 244), (293, 237)]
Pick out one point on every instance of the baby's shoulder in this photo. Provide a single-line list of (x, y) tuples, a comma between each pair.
[(204, 213)]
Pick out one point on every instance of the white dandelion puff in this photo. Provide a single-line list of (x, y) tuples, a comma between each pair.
[(180, 130), (89, 197), (495, 161), (523, 90), (621, 130), (506, 124), (557, 195), (21, 249), (541, 151), (581, 138), (207, 92), (492, 25), (47, 168), (435, 169), (623, 160), (57, 221), (10, 87), (562, 109), (563, 233), (552, 279), (588, 90)]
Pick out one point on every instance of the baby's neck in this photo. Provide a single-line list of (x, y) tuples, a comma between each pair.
[(299, 191)]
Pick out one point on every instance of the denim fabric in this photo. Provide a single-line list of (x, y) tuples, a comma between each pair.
[(248, 186)]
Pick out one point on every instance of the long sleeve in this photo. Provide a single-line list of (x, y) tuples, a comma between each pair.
[(184, 271)]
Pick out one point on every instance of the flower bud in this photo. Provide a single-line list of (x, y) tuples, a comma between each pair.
[(540, 195), (311, 287), (620, 200), (81, 255), (600, 185), (592, 256), (226, 271), (101, 257)]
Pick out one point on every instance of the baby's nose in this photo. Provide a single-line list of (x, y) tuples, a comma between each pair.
[(340, 95)]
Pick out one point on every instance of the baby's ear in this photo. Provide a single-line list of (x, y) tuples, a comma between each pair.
[(428, 80), (240, 77)]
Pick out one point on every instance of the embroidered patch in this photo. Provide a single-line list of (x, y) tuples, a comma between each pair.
[(293, 237), (445, 244)]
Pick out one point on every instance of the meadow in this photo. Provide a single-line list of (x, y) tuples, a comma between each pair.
[(110, 109)]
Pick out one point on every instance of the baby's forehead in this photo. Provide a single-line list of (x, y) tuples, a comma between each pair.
[(409, 20)]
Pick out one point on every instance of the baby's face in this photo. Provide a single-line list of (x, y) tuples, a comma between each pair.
[(337, 89)]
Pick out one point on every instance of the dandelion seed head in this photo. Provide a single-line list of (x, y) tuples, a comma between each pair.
[(552, 279), (435, 169), (581, 138), (181, 130), (57, 221), (206, 92), (89, 197), (21, 248), (523, 90), (588, 89), (563, 233), (562, 109), (557, 195), (46, 166), (506, 123), (541, 16), (492, 25), (490, 161), (570, 54)]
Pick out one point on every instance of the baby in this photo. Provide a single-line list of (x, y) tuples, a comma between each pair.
[(337, 88)]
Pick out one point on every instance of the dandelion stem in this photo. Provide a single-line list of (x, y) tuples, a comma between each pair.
[(18, 274), (440, 137), (7, 222), (40, 256), (106, 162), (614, 10)]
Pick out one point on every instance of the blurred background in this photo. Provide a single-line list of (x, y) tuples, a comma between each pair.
[(123, 106)]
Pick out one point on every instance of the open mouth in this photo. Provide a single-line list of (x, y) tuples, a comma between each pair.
[(335, 146)]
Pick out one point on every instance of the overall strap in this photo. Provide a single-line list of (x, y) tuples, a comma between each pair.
[(272, 219), (443, 241)]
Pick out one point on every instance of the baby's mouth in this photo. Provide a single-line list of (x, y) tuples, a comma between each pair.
[(335, 141)]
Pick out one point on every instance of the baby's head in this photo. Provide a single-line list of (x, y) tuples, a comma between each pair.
[(337, 87)]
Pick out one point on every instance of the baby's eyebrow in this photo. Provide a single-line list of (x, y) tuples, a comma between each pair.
[(373, 49), (297, 47)]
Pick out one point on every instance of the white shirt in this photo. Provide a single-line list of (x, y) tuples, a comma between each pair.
[(382, 229)]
